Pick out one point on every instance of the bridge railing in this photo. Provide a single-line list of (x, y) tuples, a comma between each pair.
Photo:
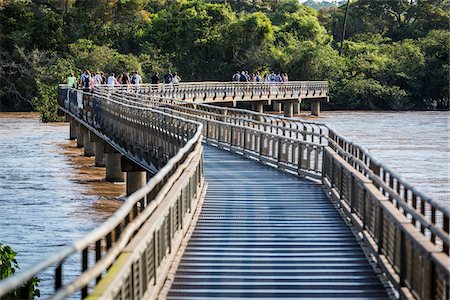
[(293, 128), (428, 219), (293, 155), (411, 261), (431, 218), (226, 91), (165, 202)]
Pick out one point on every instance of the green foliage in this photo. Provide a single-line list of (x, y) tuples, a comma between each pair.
[(395, 55), (8, 266)]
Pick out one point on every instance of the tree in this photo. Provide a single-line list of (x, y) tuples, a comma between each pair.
[(8, 266)]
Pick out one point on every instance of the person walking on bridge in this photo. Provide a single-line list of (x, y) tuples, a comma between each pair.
[(236, 76), (136, 79), (125, 78), (71, 81), (112, 80), (168, 78), (176, 79), (98, 79), (155, 78)]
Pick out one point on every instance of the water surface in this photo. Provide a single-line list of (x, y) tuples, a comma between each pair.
[(414, 144), (50, 194)]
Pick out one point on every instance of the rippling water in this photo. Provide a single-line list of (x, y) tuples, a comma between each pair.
[(414, 144), (50, 194)]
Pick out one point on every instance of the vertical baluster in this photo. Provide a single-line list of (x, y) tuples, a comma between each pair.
[(422, 211), (445, 227), (84, 267), (98, 255), (433, 221), (58, 277)]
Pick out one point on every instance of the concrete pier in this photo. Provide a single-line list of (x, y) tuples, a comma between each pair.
[(80, 135), (88, 146), (113, 166), (297, 108), (315, 108), (136, 176), (72, 129), (288, 109), (99, 149), (258, 107), (277, 106)]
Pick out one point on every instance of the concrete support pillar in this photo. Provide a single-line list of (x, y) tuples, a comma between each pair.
[(288, 109), (99, 150), (80, 135), (315, 108), (297, 108), (88, 146), (277, 107), (72, 129), (113, 165), (135, 181), (136, 175), (258, 107)]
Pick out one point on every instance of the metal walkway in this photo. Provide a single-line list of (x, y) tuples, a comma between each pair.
[(265, 234)]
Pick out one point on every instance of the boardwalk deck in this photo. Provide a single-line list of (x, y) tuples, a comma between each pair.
[(265, 234)]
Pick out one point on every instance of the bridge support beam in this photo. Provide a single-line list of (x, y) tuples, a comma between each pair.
[(136, 176), (80, 135), (315, 108), (99, 149), (88, 145), (289, 109), (113, 166)]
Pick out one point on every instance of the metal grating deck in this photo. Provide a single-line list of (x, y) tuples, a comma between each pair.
[(265, 234)]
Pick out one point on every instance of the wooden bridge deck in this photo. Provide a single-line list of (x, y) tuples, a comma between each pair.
[(265, 234)]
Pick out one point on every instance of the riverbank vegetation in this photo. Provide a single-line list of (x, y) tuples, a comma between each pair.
[(8, 266), (395, 54)]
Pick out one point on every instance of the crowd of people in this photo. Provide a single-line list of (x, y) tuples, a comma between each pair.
[(244, 76), (89, 81)]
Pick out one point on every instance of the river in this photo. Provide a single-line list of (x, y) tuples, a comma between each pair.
[(414, 144), (51, 195)]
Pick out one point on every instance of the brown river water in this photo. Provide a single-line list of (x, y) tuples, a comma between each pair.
[(416, 145), (51, 195)]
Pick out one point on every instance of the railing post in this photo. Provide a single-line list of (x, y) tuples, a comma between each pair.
[(58, 277), (84, 267)]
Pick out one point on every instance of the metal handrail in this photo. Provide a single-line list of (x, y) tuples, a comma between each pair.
[(165, 173)]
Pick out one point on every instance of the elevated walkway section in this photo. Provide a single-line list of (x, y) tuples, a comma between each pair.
[(266, 234)]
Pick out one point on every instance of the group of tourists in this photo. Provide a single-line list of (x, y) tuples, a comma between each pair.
[(244, 76), (89, 81)]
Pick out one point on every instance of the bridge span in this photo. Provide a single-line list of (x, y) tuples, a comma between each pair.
[(229, 203), (279, 97)]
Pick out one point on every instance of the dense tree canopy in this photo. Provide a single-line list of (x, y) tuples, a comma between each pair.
[(395, 55)]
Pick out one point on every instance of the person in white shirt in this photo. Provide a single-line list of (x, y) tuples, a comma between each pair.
[(112, 80), (98, 78), (136, 79), (176, 79)]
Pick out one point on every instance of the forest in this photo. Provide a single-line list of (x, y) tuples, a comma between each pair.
[(395, 55)]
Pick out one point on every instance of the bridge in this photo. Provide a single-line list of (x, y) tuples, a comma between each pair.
[(278, 97), (230, 203)]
